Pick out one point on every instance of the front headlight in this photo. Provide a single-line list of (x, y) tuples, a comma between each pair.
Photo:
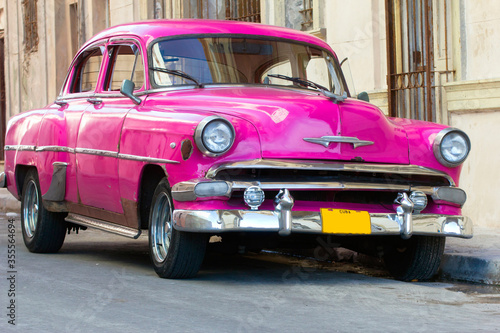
[(214, 136), (451, 147)]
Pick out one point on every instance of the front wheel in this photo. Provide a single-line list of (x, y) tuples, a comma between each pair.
[(175, 254), (417, 258), (43, 231)]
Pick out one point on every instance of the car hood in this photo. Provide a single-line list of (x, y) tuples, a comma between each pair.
[(284, 118)]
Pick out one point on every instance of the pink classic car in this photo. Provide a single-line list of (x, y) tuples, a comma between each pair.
[(189, 129)]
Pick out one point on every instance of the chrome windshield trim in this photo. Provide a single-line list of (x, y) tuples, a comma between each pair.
[(20, 147), (326, 140), (332, 166)]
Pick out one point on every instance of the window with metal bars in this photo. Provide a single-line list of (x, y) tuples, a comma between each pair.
[(307, 14), (413, 74), (243, 10), (236, 10), (30, 25)]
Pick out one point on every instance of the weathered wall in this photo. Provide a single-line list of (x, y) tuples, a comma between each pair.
[(482, 32), (480, 172), (358, 32), (27, 73), (473, 106)]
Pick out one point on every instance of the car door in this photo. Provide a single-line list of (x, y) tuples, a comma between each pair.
[(59, 129), (100, 128)]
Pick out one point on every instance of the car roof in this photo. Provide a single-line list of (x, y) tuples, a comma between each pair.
[(150, 30)]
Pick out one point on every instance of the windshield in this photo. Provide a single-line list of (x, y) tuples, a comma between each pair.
[(238, 60)]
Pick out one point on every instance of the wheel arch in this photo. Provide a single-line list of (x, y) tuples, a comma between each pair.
[(20, 174), (151, 176)]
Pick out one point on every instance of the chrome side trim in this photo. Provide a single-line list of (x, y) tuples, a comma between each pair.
[(145, 159), (106, 153), (219, 221), (103, 225), (20, 147), (55, 149), (332, 166), (57, 188), (326, 140), (97, 152)]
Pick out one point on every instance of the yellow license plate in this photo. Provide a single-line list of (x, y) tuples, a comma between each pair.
[(343, 221)]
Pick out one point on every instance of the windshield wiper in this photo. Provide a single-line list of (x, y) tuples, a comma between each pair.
[(178, 73), (334, 97)]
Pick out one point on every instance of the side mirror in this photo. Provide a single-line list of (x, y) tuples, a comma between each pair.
[(363, 96), (127, 89)]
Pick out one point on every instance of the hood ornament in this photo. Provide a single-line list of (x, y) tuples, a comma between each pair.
[(326, 140)]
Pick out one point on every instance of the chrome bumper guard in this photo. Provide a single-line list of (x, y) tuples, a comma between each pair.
[(285, 221)]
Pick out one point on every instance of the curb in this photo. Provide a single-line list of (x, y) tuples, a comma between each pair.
[(484, 269)]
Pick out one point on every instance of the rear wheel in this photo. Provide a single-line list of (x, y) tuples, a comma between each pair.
[(417, 258), (175, 254), (43, 231)]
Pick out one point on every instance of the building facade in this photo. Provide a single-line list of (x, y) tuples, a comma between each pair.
[(421, 59)]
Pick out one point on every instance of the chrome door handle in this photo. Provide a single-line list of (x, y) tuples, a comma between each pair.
[(94, 100)]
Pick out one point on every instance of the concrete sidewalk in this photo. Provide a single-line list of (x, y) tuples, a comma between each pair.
[(473, 260)]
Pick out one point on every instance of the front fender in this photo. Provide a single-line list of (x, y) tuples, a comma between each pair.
[(169, 136), (21, 140)]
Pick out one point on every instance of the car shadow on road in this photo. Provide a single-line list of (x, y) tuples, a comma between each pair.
[(265, 267)]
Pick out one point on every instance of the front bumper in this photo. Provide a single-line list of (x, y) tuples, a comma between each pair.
[(218, 221), (405, 221)]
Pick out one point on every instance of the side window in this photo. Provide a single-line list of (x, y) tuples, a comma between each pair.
[(125, 63), (87, 71)]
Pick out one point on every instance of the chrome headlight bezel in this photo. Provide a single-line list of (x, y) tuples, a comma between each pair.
[(437, 146), (199, 132)]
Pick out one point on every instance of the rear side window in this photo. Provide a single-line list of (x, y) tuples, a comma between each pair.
[(125, 64), (86, 72)]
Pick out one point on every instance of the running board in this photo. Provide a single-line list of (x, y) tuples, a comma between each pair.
[(103, 225)]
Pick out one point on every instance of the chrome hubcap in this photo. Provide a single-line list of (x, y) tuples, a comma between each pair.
[(161, 227), (30, 209)]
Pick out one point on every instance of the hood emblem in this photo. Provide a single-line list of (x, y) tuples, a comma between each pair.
[(326, 140)]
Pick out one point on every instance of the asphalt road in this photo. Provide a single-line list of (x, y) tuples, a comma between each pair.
[(99, 282)]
